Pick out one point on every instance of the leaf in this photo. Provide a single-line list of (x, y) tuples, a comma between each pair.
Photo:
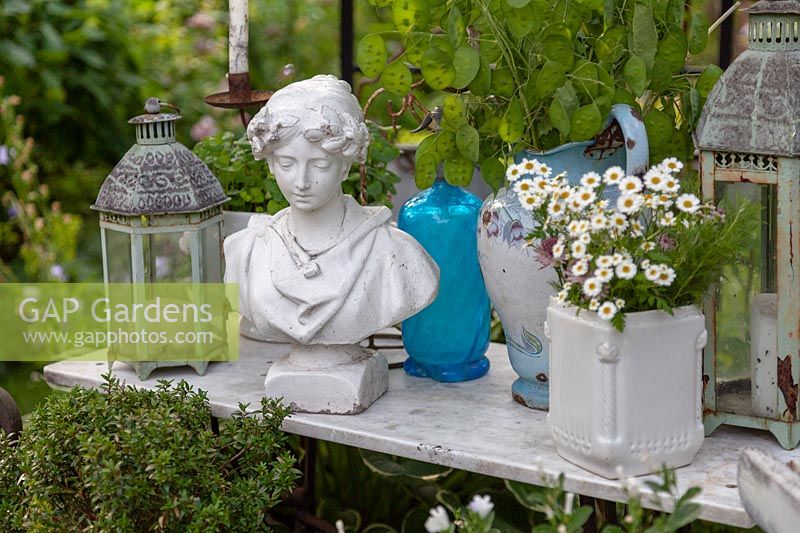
[(380, 3), (466, 62), (529, 496), (707, 79), (643, 37), (493, 173), (468, 141), (672, 50), (610, 46), (635, 72), (437, 68), (586, 123), (458, 170), (564, 104), (520, 21), (410, 15), (502, 83), (445, 144), (449, 499), (426, 161), (659, 128), (371, 55), (559, 49), (456, 29), (396, 78), (585, 79), (481, 84), (17, 54), (415, 46), (414, 521), (550, 78), (511, 127), (698, 33), (454, 114), (660, 76), (518, 3)]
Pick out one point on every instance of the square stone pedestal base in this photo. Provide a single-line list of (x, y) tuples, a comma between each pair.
[(328, 379)]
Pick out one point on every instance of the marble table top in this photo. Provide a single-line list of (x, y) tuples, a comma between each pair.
[(474, 426)]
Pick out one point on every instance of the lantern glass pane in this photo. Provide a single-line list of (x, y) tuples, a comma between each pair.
[(118, 256), (168, 257), (212, 253), (746, 305)]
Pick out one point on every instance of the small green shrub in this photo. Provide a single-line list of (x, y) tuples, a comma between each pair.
[(138, 460)]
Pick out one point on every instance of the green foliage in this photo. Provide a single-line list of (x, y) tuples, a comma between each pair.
[(253, 188), (138, 460), (540, 74), (37, 239)]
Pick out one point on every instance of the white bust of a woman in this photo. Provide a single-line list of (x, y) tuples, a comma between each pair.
[(326, 272)]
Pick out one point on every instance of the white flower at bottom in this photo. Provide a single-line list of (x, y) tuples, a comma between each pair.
[(592, 287), (482, 505), (561, 296), (594, 303), (438, 520), (339, 526), (620, 303), (607, 310)]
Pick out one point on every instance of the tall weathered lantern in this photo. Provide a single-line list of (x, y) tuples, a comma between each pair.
[(160, 219), (750, 148)]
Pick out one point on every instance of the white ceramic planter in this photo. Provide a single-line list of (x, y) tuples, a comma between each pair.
[(625, 404)]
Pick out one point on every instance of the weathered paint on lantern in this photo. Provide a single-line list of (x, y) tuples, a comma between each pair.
[(160, 195), (747, 134)]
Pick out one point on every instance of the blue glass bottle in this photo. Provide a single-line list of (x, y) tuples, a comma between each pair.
[(447, 340)]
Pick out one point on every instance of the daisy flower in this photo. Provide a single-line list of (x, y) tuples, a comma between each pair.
[(556, 210), (561, 296), (558, 249), (652, 272), (688, 203), (573, 228), (631, 184), (591, 180), (513, 172), (671, 164), (580, 268), (585, 238), (585, 196), (523, 185), (664, 200), (605, 261), (619, 222), (636, 229), (543, 170), (530, 201), (667, 220), (604, 275), (654, 179), (592, 287), (607, 311), (626, 270), (648, 246), (529, 165), (620, 303), (594, 303), (578, 249), (541, 185), (671, 185), (599, 222), (666, 276), (644, 263), (630, 203), (617, 259), (613, 175)]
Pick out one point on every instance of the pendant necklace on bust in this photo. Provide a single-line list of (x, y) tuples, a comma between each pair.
[(304, 258)]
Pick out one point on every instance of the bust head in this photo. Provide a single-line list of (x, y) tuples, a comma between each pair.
[(310, 132)]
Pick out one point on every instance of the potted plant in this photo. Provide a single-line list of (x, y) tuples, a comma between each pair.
[(253, 189), (625, 329), (585, 85)]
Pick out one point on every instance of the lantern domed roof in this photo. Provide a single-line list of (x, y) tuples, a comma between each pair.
[(158, 175), (755, 105)]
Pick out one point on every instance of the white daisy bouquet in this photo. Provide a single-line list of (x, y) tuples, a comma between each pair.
[(623, 244)]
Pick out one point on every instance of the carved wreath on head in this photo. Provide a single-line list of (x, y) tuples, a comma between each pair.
[(336, 133)]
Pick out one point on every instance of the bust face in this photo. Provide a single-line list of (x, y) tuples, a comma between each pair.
[(308, 176)]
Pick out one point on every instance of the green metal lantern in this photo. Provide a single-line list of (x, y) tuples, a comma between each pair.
[(750, 148), (160, 218)]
